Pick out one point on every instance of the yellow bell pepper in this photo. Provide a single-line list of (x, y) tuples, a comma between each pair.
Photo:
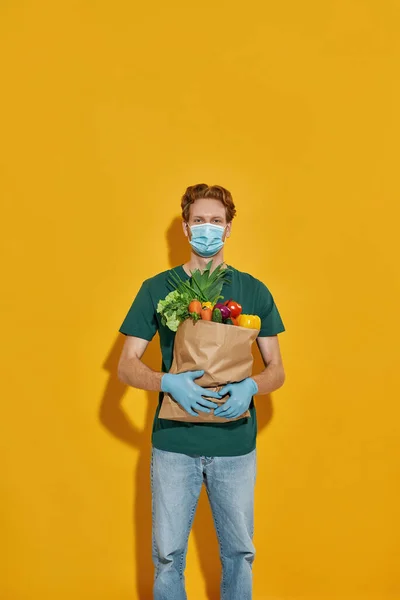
[(250, 321), (207, 305)]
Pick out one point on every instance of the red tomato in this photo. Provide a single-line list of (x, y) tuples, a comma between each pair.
[(235, 308)]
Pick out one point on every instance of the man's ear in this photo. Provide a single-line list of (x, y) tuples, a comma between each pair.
[(186, 230), (228, 229)]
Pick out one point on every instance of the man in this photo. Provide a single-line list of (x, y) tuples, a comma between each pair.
[(186, 455)]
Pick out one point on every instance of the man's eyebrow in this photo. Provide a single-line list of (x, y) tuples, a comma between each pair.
[(213, 217)]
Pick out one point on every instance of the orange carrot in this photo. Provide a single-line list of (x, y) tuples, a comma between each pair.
[(206, 314), (195, 307)]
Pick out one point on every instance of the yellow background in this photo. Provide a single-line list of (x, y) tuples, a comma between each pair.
[(108, 112)]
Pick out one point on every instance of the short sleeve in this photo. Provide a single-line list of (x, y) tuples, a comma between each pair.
[(271, 321), (141, 320)]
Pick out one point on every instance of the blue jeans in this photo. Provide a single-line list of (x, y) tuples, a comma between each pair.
[(176, 481)]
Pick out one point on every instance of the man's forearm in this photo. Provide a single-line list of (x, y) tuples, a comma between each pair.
[(134, 372), (270, 379)]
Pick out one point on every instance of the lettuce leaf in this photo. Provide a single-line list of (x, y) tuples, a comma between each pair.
[(174, 309)]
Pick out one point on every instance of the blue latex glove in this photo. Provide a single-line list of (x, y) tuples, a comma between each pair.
[(187, 393), (240, 395)]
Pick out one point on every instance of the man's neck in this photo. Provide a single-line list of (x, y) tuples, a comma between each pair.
[(200, 262)]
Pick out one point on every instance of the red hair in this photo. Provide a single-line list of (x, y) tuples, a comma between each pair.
[(202, 190)]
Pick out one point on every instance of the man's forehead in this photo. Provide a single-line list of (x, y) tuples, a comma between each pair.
[(216, 209), (208, 214)]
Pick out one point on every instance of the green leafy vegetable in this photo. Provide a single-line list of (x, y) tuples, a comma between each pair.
[(173, 309), (204, 286)]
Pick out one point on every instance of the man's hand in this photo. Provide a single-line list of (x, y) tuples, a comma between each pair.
[(240, 395), (187, 393)]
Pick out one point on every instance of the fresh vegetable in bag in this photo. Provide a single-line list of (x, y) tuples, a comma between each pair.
[(249, 321)]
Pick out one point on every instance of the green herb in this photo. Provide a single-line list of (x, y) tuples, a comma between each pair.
[(173, 309), (195, 316)]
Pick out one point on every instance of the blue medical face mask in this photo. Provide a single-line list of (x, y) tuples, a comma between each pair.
[(207, 238)]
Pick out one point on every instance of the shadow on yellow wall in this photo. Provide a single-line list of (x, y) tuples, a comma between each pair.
[(113, 417)]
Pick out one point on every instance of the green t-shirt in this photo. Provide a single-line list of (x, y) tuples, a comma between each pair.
[(203, 439)]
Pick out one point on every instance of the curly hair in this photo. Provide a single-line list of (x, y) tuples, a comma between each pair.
[(202, 190)]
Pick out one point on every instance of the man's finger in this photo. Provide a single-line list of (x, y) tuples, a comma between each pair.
[(230, 414), (205, 392), (222, 409), (208, 403), (196, 374), (227, 389), (202, 408), (192, 412)]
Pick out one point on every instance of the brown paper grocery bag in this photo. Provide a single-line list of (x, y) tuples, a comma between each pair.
[(223, 351)]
